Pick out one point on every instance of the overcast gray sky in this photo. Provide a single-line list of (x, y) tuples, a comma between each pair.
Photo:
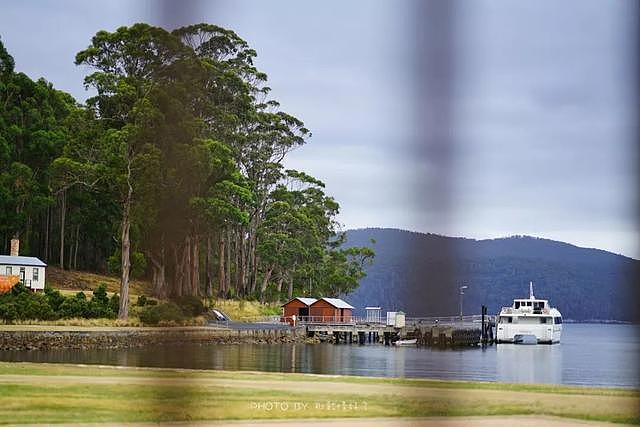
[(540, 96)]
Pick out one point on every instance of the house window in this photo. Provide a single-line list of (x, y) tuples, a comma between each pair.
[(9, 272), (35, 274)]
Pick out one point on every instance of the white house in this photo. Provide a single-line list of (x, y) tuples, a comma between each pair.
[(30, 270)]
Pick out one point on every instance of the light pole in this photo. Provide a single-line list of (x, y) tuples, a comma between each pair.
[(462, 288)]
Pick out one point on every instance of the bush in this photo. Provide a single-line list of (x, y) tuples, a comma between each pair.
[(191, 306), (54, 297), (168, 312), (76, 306), (144, 301), (23, 304), (114, 303), (99, 306), (138, 263), (33, 306)]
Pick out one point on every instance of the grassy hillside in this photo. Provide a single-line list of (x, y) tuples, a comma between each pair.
[(86, 281), (70, 282)]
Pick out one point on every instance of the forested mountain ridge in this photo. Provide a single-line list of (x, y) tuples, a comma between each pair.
[(421, 274), (172, 171)]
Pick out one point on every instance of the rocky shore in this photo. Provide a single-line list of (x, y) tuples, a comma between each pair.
[(85, 338)]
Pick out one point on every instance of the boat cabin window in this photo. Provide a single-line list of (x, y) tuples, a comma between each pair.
[(538, 305), (545, 319), (557, 320), (516, 304), (506, 319)]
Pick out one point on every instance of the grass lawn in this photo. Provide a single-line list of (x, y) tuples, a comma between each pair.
[(38, 393)]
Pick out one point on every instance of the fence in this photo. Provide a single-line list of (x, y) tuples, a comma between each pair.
[(447, 320)]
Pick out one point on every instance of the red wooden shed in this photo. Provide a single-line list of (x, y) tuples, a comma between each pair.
[(331, 310), (298, 307)]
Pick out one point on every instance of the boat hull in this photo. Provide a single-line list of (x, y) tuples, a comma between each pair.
[(520, 334)]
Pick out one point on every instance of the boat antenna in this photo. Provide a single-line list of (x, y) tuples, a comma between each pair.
[(531, 291)]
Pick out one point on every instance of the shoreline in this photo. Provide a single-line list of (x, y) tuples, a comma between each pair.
[(44, 337)]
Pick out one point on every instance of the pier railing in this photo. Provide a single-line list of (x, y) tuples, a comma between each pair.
[(447, 320)]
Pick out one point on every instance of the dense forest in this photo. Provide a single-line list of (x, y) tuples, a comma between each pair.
[(421, 274), (172, 170)]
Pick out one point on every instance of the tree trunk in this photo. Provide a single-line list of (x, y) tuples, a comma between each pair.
[(75, 254), (158, 280), (290, 292), (227, 274), (253, 240), (46, 235), (63, 215), (265, 283), (178, 271), (243, 265), (123, 312), (186, 266), (209, 267), (236, 256), (195, 266), (280, 280), (222, 281)]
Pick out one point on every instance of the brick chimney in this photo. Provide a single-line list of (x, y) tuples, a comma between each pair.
[(15, 247)]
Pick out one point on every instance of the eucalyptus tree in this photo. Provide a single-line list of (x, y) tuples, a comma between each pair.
[(32, 133), (129, 65)]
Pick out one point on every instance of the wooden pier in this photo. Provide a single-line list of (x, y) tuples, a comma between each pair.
[(451, 331)]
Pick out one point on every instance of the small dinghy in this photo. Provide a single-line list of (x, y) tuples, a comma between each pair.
[(525, 339), (405, 343)]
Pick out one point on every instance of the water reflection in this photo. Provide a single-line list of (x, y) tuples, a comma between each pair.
[(529, 363), (606, 355)]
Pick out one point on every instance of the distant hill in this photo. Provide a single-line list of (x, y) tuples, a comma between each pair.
[(421, 274)]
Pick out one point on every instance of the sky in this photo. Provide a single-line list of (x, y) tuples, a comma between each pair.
[(480, 119)]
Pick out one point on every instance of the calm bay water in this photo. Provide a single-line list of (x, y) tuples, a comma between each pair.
[(590, 355)]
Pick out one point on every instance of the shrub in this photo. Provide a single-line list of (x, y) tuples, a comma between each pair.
[(167, 312), (191, 305), (144, 301), (8, 311), (33, 306), (99, 306), (114, 303), (76, 306), (23, 304), (54, 298)]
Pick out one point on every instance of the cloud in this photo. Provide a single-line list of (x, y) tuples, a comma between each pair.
[(540, 111)]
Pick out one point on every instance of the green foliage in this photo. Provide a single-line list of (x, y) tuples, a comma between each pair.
[(144, 301), (191, 306), (114, 303), (166, 312), (138, 263), (177, 159), (23, 304), (76, 306), (54, 298)]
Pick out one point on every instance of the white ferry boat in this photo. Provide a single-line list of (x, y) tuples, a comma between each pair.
[(529, 321)]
